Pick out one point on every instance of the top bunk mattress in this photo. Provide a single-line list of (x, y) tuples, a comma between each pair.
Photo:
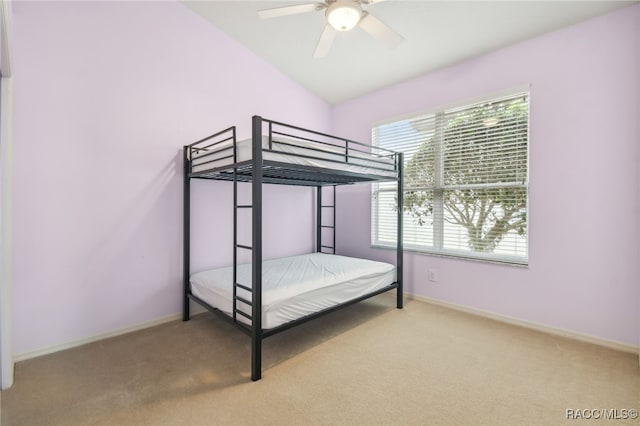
[(293, 287), (297, 152)]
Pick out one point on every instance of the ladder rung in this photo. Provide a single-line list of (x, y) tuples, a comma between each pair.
[(243, 300), (245, 288), (244, 315), (329, 247), (245, 206), (327, 226), (244, 247), (328, 207)]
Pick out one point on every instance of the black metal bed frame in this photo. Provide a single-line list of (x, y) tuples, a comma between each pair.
[(216, 157)]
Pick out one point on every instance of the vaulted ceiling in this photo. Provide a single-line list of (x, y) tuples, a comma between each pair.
[(436, 33)]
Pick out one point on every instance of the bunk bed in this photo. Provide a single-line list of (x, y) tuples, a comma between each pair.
[(265, 297)]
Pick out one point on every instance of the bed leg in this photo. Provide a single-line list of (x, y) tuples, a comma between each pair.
[(186, 231), (186, 310), (256, 358)]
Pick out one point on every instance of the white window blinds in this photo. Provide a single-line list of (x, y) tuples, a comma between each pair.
[(465, 181)]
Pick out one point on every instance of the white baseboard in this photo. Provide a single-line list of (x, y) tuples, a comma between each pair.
[(195, 310), (624, 347)]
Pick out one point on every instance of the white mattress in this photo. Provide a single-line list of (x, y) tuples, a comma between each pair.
[(293, 287), (365, 163)]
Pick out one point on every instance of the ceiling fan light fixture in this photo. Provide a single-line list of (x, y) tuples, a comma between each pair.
[(343, 15)]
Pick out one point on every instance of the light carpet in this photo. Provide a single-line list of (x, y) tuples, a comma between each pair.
[(366, 364)]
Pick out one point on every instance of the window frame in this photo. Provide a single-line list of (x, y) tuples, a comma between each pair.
[(449, 252)]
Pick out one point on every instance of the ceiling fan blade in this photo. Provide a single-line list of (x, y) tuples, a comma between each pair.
[(289, 10), (324, 44), (380, 31), (372, 1)]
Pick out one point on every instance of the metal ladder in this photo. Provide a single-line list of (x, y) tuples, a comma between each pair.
[(319, 223), (236, 285)]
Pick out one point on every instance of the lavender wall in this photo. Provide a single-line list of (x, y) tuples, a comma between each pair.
[(105, 96), (584, 207)]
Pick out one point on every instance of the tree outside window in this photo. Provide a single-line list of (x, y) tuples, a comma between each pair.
[(466, 181)]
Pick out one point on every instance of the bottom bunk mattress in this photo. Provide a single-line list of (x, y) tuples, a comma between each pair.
[(296, 286)]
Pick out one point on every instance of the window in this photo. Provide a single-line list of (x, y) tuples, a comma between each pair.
[(465, 181)]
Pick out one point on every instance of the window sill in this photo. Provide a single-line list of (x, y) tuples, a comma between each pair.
[(455, 255)]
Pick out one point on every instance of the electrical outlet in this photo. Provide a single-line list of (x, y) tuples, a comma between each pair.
[(432, 275)]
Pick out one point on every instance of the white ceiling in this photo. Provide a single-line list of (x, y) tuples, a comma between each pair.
[(437, 34)]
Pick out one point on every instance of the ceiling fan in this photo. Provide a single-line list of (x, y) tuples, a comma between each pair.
[(341, 15)]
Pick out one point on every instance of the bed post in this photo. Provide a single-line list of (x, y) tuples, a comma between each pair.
[(319, 219), (335, 208), (186, 230), (399, 249), (256, 253)]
